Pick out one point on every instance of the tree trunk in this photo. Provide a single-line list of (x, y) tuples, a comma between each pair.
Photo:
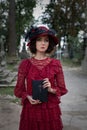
[(11, 30)]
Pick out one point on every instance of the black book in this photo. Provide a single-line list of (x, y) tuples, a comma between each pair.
[(38, 92)]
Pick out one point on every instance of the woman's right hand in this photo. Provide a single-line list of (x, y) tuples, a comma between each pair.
[(33, 101)]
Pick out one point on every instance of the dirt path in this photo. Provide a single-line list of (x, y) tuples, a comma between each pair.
[(9, 114)]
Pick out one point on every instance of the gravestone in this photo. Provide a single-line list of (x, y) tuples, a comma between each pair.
[(6, 76), (24, 54), (2, 55)]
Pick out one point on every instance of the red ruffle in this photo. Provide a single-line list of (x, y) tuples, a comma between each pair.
[(37, 118)]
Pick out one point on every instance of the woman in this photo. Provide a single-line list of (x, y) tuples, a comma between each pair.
[(38, 115)]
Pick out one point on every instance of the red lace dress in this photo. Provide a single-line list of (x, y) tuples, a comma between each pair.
[(44, 116)]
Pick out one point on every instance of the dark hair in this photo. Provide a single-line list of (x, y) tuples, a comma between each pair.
[(51, 46)]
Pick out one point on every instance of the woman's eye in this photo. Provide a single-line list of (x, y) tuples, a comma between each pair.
[(38, 39), (47, 40)]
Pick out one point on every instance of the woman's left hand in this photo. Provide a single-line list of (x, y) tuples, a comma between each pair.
[(47, 84)]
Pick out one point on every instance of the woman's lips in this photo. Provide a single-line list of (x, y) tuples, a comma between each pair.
[(42, 47)]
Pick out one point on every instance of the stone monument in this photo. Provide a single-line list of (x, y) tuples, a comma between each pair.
[(2, 61), (6, 76), (24, 54)]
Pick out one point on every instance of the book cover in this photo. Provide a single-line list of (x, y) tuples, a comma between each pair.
[(39, 92)]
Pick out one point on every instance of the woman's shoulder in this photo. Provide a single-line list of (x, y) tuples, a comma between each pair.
[(56, 61), (24, 63), (56, 65), (24, 66)]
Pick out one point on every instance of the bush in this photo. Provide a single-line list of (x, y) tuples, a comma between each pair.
[(75, 48)]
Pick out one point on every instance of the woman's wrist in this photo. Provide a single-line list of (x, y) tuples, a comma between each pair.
[(29, 96), (51, 90)]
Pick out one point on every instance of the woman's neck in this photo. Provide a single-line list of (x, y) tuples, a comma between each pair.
[(40, 56)]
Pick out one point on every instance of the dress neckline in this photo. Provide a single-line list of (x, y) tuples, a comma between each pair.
[(40, 64), (40, 59)]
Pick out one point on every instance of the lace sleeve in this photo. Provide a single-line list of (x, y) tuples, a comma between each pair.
[(20, 90), (60, 80)]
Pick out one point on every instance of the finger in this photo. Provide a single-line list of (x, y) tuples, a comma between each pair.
[(39, 101), (46, 79), (47, 85), (34, 102), (45, 82)]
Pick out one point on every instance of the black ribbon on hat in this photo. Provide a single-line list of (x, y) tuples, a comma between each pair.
[(34, 31)]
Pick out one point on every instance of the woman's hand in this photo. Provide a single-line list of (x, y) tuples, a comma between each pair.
[(47, 84), (32, 101)]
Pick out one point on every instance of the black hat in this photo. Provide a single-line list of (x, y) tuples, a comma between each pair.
[(35, 32)]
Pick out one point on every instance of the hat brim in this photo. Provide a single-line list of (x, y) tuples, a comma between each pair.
[(55, 39)]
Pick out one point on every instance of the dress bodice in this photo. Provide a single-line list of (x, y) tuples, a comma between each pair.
[(33, 69), (40, 64)]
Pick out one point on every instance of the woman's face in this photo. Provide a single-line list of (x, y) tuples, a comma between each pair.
[(42, 43)]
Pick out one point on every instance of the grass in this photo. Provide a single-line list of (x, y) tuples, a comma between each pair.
[(7, 91), (10, 66), (70, 62)]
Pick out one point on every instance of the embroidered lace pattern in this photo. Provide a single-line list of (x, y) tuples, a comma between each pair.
[(40, 64)]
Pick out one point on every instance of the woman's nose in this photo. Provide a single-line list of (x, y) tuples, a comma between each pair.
[(42, 42)]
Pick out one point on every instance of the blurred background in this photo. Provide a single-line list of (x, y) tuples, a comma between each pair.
[(67, 17)]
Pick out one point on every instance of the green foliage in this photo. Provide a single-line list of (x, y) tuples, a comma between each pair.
[(24, 17), (69, 62), (7, 91), (76, 47), (3, 18), (65, 16)]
